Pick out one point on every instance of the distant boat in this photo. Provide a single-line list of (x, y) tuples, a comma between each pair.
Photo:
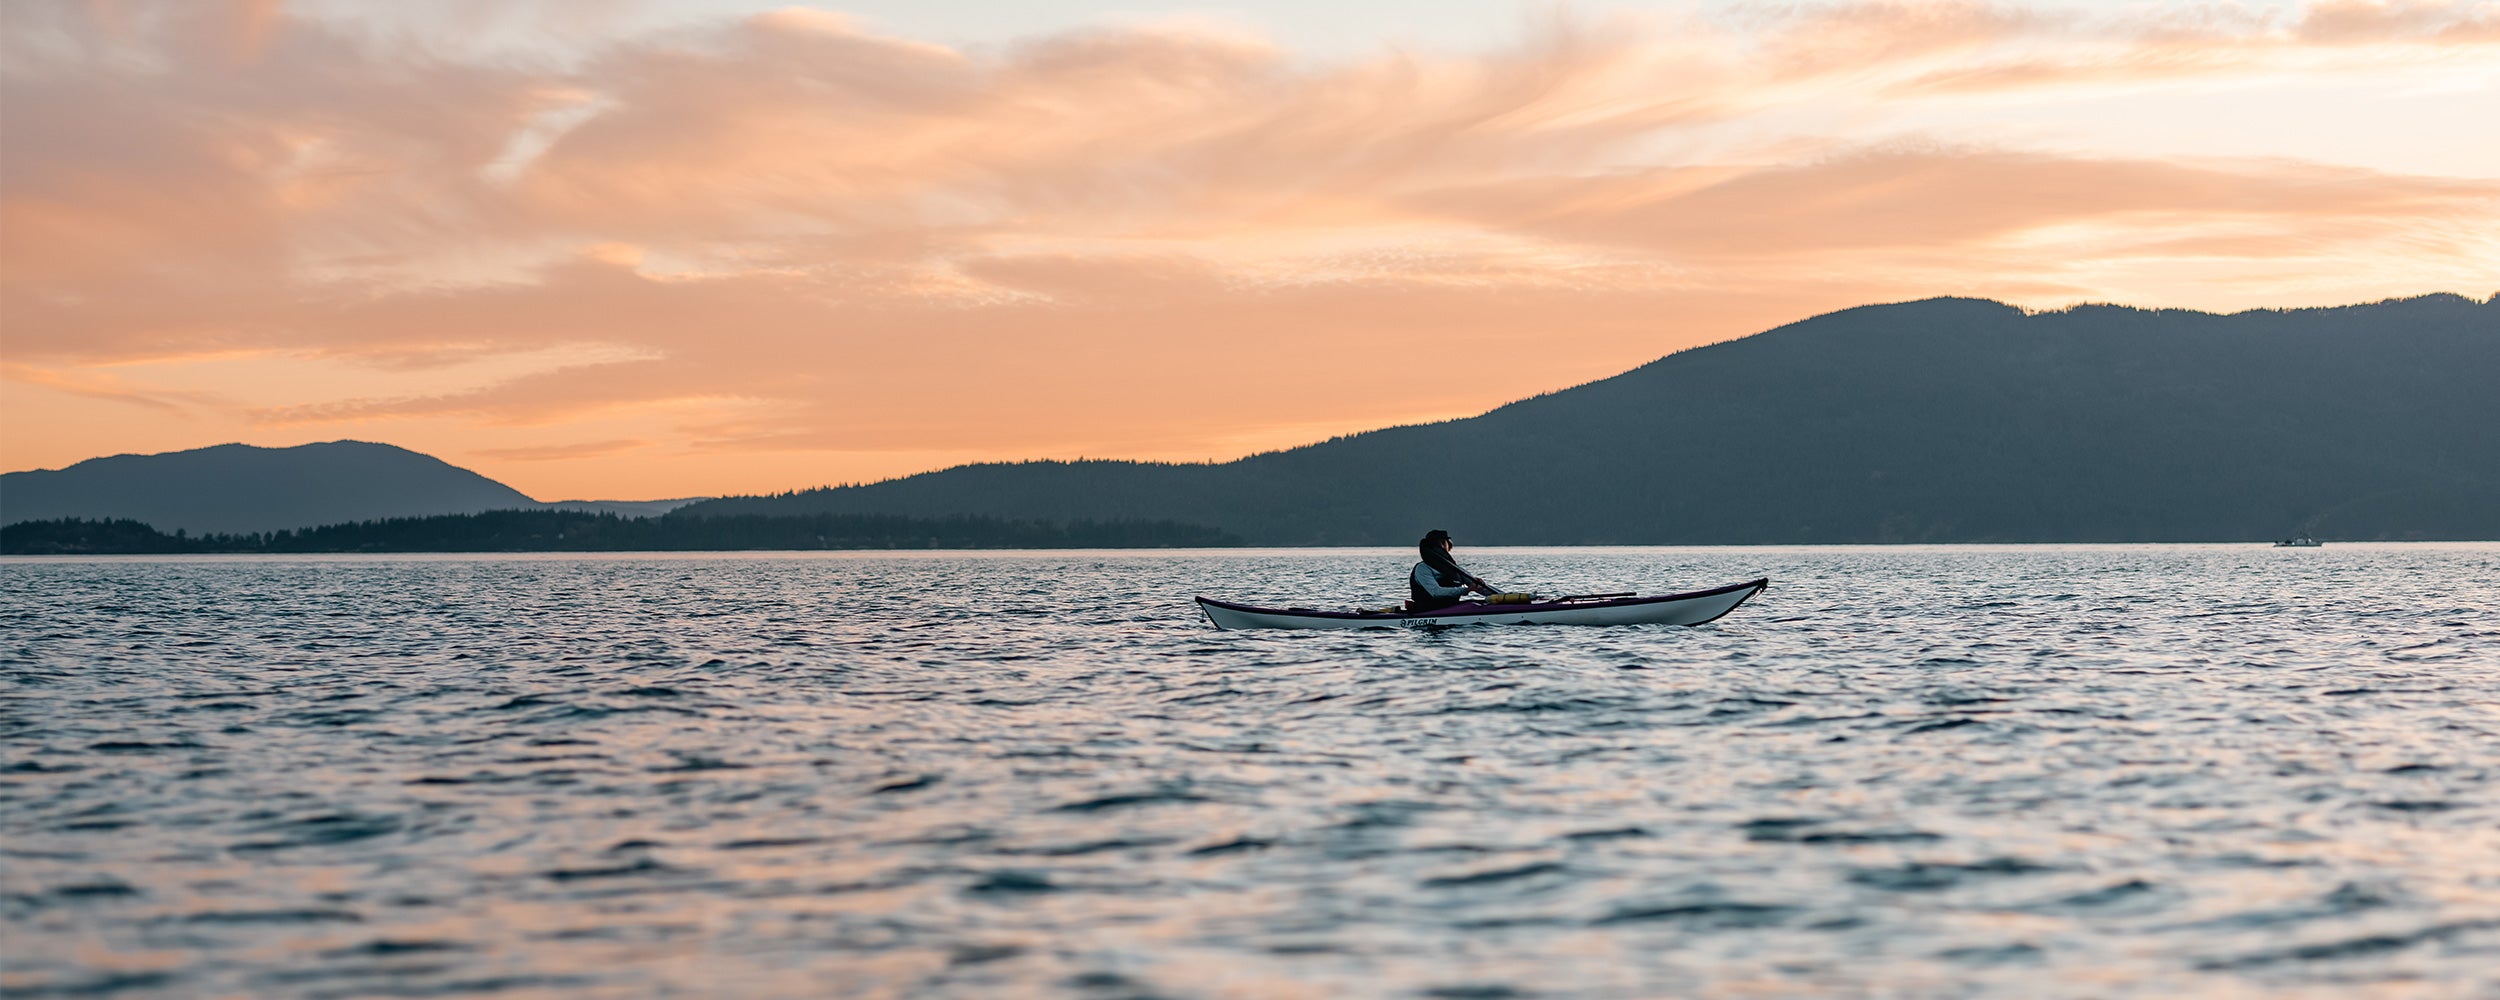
[(2302, 542)]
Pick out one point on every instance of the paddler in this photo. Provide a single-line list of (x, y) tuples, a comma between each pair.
[(1437, 581)]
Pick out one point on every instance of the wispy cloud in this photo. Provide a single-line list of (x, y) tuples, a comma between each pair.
[(566, 452), (104, 386)]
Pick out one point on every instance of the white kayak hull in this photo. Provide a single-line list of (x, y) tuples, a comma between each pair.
[(1665, 609)]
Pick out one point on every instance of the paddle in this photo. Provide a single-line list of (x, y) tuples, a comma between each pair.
[(1590, 597)]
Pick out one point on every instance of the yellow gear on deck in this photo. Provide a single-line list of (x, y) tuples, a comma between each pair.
[(1510, 599)]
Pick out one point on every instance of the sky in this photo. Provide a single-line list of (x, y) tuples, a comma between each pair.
[(678, 248)]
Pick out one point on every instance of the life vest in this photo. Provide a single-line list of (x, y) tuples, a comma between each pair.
[(1443, 590)]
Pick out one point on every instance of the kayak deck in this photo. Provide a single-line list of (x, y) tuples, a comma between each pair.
[(1692, 608)]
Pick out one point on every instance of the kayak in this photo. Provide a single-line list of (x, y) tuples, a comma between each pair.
[(1664, 609)]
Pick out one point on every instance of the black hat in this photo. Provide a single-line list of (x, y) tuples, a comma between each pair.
[(1436, 535)]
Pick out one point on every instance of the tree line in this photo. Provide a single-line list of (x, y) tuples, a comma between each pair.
[(582, 531)]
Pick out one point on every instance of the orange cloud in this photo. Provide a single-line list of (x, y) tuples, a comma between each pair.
[(1941, 198), (2221, 42), (566, 452), (2362, 22), (104, 387), (786, 236)]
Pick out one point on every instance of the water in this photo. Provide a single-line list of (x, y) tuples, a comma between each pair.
[(2124, 771)]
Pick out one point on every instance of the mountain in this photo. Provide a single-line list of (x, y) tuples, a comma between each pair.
[(241, 488), (1945, 420)]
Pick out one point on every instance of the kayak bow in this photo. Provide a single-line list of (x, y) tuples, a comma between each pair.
[(1664, 609)]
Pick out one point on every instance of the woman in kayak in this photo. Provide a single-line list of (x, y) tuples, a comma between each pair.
[(1437, 582)]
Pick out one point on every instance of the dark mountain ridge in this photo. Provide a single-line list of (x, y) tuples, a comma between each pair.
[(239, 488), (1944, 420)]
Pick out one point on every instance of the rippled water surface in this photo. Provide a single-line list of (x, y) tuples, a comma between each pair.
[(2025, 771)]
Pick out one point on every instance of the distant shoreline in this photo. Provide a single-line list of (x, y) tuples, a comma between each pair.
[(11, 555), (524, 531)]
